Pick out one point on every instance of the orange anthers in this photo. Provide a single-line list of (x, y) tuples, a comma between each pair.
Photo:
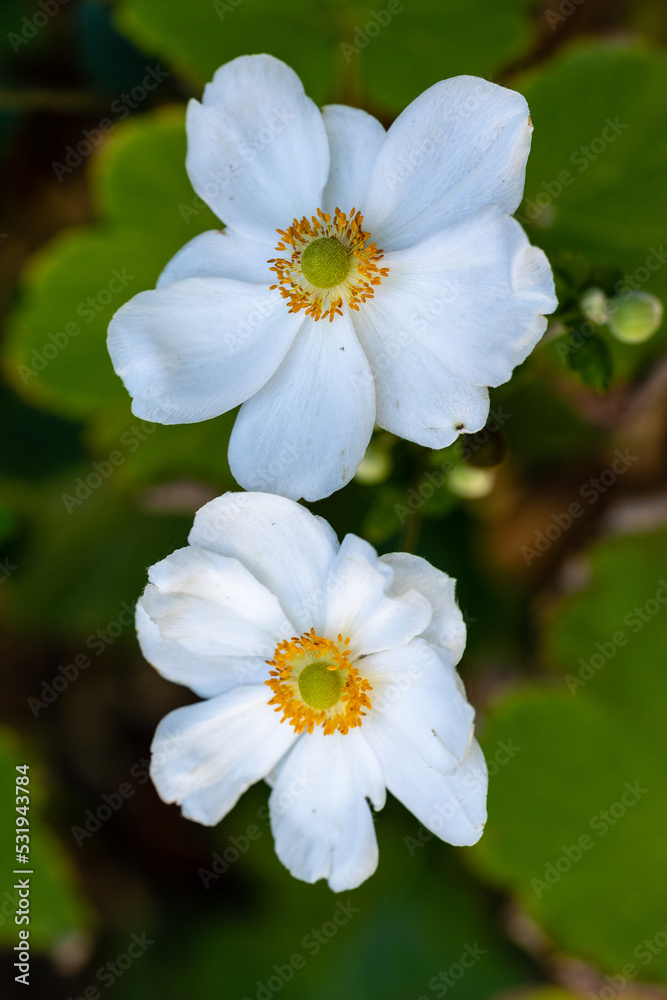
[(291, 657), (363, 273)]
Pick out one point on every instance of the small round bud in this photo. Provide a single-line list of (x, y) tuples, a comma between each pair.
[(469, 483), (593, 304), (375, 465), (633, 317)]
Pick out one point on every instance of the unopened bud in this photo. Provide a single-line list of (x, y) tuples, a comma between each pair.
[(634, 316), (593, 305)]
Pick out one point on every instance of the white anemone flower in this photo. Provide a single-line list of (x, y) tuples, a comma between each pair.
[(363, 276), (326, 670)]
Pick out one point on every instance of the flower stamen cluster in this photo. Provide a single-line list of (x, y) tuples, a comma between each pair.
[(330, 260), (314, 683)]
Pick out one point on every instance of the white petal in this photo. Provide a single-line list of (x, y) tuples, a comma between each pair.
[(257, 147), (284, 546), (474, 294), (321, 822), (417, 396), (460, 145), (418, 700), (358, 604), (221, 253), (305, 433), (207, 676), (198, 348), (446, 628), (213, 605), (205, 756), (451, 806), (354, 140)]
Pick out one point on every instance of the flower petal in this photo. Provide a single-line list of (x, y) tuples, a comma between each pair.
[(451, 806), (446, 628), (418, 396), (474, 294), (359, 606), (207, 676), (354, 140), (321, 822), (284, 546), (198, 348), (221, 253), (213, 605), (418, 700), (460, 145), (205, 756), (305, 433), (257, 147)]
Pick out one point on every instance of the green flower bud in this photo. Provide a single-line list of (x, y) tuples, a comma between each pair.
[(633, 317), (593, 304)]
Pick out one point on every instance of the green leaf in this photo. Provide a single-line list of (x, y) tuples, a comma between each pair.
[(592, 362), (577, 809), (56, 352), (430, 41), (597, 164), (143, 453), (541, 428), (409, 924), (358, 51), (83, 564), (57, 908)]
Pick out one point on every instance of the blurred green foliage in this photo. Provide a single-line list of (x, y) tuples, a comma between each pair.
[(390, 51), (589, 780), (56, 907)]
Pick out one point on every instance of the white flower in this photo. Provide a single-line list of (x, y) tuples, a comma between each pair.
[(327, 671), (363, 276)]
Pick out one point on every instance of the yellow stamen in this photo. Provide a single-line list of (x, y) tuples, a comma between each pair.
[(355, 282), (305, 696)]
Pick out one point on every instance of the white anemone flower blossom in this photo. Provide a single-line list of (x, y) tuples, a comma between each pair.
[(363, 276), (326, 670)]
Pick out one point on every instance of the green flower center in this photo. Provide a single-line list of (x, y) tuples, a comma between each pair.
[(325, 262), (320, 687)]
